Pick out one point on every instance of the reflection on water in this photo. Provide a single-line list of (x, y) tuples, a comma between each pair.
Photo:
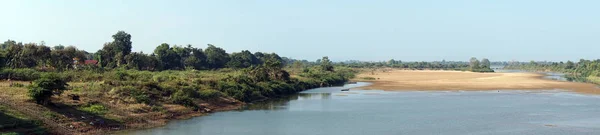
[(282, 103), (549, 75), (321, 112)]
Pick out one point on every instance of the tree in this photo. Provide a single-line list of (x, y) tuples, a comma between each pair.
[(326, 64), (58, 47), (242, 59), (197, 60), (43, 53), (392, 62), (113, 53), (216, 57), (122, 42), (570, 65), (474, 63), (136, 61), (168, 57), (14, 55), (48, 85), (7, 44), (485, 63)]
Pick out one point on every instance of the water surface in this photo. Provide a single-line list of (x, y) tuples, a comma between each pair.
[(329, 111)]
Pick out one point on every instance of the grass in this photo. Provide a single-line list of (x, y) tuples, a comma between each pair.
[(12, 123), (96, 109), (19, 93)]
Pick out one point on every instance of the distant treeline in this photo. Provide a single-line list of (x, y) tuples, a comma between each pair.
[(473, 65), (586, 70)]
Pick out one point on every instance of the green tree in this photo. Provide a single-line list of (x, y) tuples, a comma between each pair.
[(326, 64), (216, 57), (137, 61), (113, 53), (168, 57), (485, 63), (197, 60), (242, 59), (570, 65), (46, 86), (43, 53), (474, 63)]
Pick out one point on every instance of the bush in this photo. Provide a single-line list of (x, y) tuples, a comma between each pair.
[(48, 85), (209, 94), (483, 70), (183, 98), (96, 109), (20, 74)]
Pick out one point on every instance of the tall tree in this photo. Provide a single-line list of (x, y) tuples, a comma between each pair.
[(474, 63), (43, 53), (216, 57), (197, 60), (570, 65), (242, 59), (168, 57), (113, 53), (485, 63), (326, 64)]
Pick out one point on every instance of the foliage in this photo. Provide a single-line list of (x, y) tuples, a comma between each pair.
[(584, 70), (170, 74), (113, 53), (96, 109), (19, 74), (242, 59), (216, 57), (49, 84), (477, 66)]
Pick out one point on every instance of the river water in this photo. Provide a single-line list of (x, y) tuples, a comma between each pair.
[(329, 111)]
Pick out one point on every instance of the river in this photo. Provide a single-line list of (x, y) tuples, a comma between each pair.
[(329, 111)]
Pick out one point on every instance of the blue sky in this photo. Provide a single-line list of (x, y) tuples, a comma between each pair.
[(376, 30)]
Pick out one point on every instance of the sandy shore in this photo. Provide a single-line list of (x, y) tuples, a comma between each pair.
[(398, 80)]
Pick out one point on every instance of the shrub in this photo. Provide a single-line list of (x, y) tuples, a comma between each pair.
[(48, 85), (20, 74), (182, 98), (209, 94), (96, 109)]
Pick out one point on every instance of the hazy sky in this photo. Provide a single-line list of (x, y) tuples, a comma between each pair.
[(376, 30)]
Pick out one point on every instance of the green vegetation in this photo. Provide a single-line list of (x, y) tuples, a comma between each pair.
[(171, 81), (46, 86), (435, 65), (584, 70), (171, 74), (96, 109), (473, 65)]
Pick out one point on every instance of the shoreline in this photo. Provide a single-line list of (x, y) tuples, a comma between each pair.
[(166, 121), (443, 80)]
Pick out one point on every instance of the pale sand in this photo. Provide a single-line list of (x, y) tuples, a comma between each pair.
[(398, 80)]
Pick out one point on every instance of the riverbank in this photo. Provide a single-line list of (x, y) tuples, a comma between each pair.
[(66, 116), (429, 80), (121, 100)]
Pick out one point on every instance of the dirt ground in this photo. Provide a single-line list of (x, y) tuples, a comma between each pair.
[(398, 80)]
